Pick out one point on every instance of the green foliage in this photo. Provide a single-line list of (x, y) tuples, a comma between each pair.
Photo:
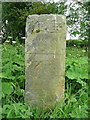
[(78, 19), (13, 83), (5, 90), (12, 73), (77, 43), (16, 110), (16, 13), (77, 67)]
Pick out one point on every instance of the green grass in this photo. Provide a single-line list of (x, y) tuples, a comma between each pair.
[(13, 84)]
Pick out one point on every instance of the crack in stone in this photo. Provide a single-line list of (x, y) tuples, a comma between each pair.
[(37, 65)]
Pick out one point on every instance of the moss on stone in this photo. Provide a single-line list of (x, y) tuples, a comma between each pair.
[(38, 30)]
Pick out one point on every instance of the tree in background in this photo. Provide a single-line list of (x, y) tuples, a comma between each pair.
[(13, 18), (77, 19), (14, 15)]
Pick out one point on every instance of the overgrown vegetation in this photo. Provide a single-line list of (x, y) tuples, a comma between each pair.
[(13, 85), (14, 16)]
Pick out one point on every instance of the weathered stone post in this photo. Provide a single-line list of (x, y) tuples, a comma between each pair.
[(45, 59)]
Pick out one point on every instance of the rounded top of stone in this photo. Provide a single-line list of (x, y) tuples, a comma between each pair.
[(47, 15)]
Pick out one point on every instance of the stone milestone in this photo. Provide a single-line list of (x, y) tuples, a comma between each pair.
[(45, 59)]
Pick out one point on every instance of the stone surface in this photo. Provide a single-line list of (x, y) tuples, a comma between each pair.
[(45, 59)]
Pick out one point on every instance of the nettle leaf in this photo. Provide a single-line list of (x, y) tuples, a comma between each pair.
[(77, 73), (7, 75), (21, 77), (17, 59), (77, 68), (70, 74), (5, 109), (15, 67), (19, 91), (79, 112), (81, 82), (16, 110), (7, 88), (73, 99)]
